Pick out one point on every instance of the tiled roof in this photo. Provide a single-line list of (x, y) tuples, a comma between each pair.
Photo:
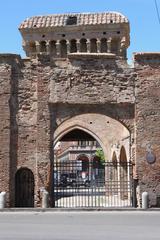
[(59, 20)]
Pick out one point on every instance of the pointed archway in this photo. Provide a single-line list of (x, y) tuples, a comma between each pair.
[(123, 174), (115, 174), (110, 134)]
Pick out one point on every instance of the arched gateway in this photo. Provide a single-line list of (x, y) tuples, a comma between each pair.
[(86, 173), (76, 90), (78, 115)]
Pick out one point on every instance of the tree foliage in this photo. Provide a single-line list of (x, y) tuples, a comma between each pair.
[(100, 155)]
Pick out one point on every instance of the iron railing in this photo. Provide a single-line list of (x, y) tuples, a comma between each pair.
[(89, 184)]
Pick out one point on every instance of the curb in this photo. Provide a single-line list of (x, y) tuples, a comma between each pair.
[(79, 210)]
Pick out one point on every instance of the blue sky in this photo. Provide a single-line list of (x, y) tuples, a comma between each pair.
[(145, 28)]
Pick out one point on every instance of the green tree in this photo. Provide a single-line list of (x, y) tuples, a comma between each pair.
[(100, 155)]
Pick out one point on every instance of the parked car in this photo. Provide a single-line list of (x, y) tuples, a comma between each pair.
[(72, 180), (82, 181), (75, 180), (63, 180)]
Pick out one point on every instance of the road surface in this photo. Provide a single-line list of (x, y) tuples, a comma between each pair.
[(108, 225)]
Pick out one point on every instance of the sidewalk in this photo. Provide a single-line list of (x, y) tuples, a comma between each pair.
[(131, 209)]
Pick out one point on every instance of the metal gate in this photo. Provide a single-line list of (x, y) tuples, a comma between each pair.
[(24, 188), (82, 185)]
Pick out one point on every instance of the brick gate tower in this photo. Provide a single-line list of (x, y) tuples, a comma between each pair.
[(76, 83)]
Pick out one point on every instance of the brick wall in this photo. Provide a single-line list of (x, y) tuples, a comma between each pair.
[(92, 81), (37, 96), (5, 90), (148, 122)]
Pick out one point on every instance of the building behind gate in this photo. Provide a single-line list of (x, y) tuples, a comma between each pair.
[(76, 84)]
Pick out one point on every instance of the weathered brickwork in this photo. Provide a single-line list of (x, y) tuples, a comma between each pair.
[(44, 97), (87, 80), (5, 80), (148, 122)]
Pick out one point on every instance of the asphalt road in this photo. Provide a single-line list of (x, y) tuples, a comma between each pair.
[(80, 225)]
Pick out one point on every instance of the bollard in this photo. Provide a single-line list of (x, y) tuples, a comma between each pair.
[(2, 200), (145, 200), (45, 199)]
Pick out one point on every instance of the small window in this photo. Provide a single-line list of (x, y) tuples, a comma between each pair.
[(71, 20)]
